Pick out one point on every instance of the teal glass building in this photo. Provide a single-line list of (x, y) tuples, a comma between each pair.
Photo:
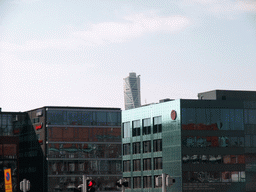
[(205, 145)]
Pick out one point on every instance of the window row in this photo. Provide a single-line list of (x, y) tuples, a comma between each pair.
[(65, 183), (82, 167), (146, 164), (213, 177), (214, 159), (226, 119), (84, 134), (136, 147), (86, 150), (214, 141), (146, 127), (63, 117), (137, 182)]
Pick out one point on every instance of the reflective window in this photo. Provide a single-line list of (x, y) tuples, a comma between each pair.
[(146, 146), (69, 150), (146, 126), (86, 118), (136, 128), (250, 116), (136, 182), (136, 148), (146, 164), (157, 124), (136, 165), (158, 163), (157, 145), (212, 119), (126, 130), (126, 166), (213, 176), (84, 134), (213, 141), (67, 117), (147, 182), (101, 118), (213, 159), (127, 149)]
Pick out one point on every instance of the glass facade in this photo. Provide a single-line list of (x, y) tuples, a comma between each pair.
[(83, 142), (10, 126), (208, 146), (151, 146)]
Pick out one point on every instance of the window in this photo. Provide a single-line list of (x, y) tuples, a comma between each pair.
[(158, 163), (136, 148), (157, 145), (136, 165), (136, 128), (146, 164), (126, 149), (146, 126), (146, 146), (159, 181), (213, 141), (147, 182), (157, 121), (35, 120), (128, 179), (126, 166), (126, 130), (136, 182)]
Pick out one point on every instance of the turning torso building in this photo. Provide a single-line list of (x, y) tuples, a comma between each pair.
[(132, 91)]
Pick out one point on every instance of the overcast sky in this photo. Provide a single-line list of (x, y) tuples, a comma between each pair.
[(77, 52)]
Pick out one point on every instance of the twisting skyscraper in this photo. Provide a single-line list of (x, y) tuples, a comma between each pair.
[(132, 91)]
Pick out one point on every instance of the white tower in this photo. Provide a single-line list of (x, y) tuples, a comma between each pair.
[(132, 91)]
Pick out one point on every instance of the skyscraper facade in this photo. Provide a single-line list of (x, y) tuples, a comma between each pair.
[(132, 91)]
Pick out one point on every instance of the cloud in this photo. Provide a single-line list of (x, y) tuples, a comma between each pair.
[(24, 1), (133, 27), (221, 6)]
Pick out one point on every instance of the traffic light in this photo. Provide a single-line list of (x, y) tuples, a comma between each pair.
[(90, 186)]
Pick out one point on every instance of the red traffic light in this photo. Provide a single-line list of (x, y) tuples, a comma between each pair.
[(91, 183)]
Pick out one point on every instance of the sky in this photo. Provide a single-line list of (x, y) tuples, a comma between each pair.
[(77, 52)]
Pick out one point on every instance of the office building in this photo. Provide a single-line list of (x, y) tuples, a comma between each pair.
[(20, 152), (79, 141), (207, 144), (132, 91)]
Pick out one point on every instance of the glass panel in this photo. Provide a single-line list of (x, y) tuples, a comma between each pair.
[(136, 124), (252, 116), (190, 116), (225, 119), (126, 129), (74, 118), (200, 116), (215, 115), (235, 176), (233, 142), (101, 118), (226, 176), (239, 125), (56, 117), (247, 141), (86, 118), (241, 141), (112, 118)]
